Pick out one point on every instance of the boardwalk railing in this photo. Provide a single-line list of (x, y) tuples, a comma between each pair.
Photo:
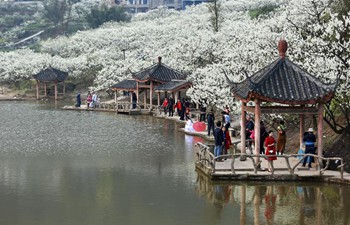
[(207, 159), (126, 106)]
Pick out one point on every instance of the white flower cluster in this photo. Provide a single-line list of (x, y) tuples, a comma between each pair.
[(186, 41)]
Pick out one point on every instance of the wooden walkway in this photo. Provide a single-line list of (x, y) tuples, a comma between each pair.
[(119, 107), (254, 167)]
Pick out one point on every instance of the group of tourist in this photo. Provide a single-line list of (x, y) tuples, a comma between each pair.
[(92, 100), (273, 147), (182, 107), (168, 106), (222, 140), (221, 132)]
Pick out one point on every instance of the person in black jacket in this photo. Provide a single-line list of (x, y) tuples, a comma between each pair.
[(219, 139), (263, 135), (134, 100), (210, 119), (78, 100), (309, 139), (171, 106), (203, 110)]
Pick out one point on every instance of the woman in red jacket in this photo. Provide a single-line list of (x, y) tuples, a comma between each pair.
[(227, 140), (270, 145), (165, 106)]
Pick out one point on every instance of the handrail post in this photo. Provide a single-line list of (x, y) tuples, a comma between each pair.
[(342, 169)]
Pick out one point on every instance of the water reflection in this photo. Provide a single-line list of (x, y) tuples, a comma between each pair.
[(271, 203), (82, 167)]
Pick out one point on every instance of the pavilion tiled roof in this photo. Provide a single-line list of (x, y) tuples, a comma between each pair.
[(127, 84), (51, 74), (284, 82), (173, 85), (158, 72)]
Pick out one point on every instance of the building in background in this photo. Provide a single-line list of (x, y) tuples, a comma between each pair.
[(139, 6)]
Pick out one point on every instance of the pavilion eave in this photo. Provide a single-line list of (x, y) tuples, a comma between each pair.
[(253, 95)]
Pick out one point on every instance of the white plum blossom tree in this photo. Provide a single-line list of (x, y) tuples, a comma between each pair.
[(317, 36)]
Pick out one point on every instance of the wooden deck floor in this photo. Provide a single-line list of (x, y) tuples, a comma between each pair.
[(254, 167)]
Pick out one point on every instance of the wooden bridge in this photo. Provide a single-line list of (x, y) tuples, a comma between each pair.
[(251, 167)]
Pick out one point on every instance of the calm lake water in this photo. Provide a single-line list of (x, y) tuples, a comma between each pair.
[(81, 168)]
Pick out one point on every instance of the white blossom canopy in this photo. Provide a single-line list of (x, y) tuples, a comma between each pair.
[(187, 42)]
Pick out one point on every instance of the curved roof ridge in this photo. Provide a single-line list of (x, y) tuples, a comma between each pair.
[(159, 72), (284, 81), (51, 74)]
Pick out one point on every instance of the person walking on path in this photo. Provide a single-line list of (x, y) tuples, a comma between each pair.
[(210, 119), (270, 144), (263, 136), (94, 100), (178, 106), (309, 139), (165, 106), (88, 99), (183, 109), (281, 138), (203, 110), (78, 100), (171, 106), (248, 131), (227, 120), (134, 100), (219, 139)]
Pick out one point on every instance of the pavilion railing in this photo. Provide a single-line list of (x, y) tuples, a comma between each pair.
[(207, 158)]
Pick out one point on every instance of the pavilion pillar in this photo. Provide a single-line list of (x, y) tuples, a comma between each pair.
[(145, 98), (37, 89), (243, 121), (151, 94), (55, 90), (137, 92), (158, 98), (302, 129), (45, 89), (320, 132), (131, 98), (176, 96), (115, 96), (257, 128)]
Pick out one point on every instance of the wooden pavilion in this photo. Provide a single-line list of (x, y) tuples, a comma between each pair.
[(156, 78), (173, 87), (283, 82), (47, 76), (128, 85)]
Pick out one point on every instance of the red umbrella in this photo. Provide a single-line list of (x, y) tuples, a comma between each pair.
[(199, 126)]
